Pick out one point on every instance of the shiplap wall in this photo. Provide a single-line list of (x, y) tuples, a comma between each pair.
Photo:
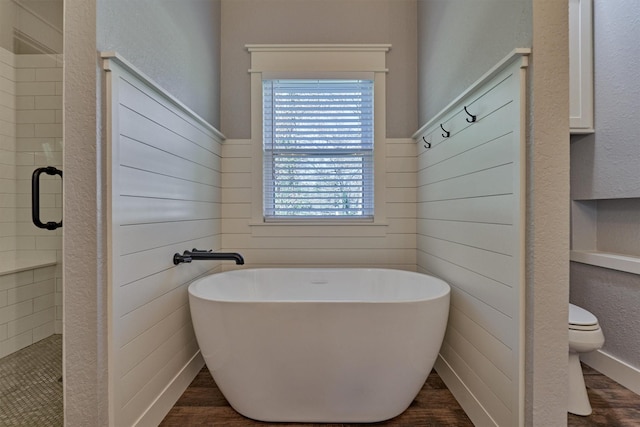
[(164, 197), (470, 233), (388, 241), (336, 245)]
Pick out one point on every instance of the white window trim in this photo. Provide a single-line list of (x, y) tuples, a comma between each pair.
[(319, 61)]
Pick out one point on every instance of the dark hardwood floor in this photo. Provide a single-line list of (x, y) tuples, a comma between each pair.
[(202, 404), (613, 405)]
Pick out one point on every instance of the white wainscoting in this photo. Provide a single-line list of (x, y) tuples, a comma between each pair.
[(164, 194), (388, 245), (470, 228)]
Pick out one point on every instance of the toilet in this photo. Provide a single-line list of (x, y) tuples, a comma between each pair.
[(585, 335)]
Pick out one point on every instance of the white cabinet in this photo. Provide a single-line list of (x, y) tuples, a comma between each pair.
[(581, 66)]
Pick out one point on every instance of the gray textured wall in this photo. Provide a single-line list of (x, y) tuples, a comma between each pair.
[(319, 21), (460, 40), (605, 165), (619, 228), (612, 296), (176, 43)]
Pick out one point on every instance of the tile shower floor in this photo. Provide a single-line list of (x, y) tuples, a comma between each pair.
[(30, 390)]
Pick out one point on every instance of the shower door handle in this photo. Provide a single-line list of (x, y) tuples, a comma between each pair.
[(35, 197)]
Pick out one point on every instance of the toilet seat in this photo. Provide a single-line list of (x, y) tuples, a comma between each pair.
[(582, 320)]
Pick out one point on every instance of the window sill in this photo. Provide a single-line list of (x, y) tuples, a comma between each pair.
[(344, 228)]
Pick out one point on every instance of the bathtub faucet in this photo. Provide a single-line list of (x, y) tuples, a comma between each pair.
[(196, 254)]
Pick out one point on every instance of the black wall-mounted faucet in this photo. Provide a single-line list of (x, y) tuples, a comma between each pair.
[(197, 255)]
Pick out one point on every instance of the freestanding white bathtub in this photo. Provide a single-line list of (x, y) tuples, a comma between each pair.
[(319, 345)]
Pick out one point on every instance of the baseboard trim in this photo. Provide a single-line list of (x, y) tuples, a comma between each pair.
[(474, 410), (172, 392), (619, 371)]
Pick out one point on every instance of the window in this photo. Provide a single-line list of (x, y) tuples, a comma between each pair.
[(318, 141), (318, 138)]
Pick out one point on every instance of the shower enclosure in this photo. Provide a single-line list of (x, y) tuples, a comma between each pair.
[(30, 257)]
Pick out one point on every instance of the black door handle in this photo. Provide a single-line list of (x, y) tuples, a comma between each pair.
[(35, 197)]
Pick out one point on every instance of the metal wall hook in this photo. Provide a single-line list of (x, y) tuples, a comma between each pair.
[(446, 132), (473, 118), (427, 143)]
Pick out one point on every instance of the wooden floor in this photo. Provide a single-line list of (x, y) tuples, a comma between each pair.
[(613, 405), (202, 404)]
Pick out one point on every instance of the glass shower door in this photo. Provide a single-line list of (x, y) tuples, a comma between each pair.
[(30, 257)]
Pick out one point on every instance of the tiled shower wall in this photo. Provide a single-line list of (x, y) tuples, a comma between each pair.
[(30, 137), (27, 308), (8, 197), (39, 143)]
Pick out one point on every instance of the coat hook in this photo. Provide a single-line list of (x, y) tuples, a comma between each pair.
[(473, 118), (427, 143), (446, 132)]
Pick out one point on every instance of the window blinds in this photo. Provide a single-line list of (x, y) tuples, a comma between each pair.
[(318, 148)]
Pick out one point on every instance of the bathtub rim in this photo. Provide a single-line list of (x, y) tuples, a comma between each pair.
[(443, 292)]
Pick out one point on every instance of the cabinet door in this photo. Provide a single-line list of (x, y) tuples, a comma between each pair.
[(581, 66)]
